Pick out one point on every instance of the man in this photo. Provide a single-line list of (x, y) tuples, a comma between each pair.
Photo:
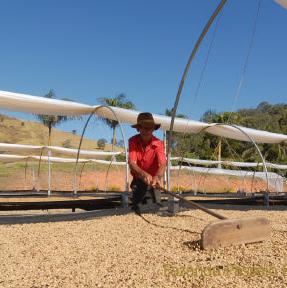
[(147, 160)]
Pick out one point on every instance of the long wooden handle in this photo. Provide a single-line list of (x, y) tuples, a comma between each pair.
[(196, 205)]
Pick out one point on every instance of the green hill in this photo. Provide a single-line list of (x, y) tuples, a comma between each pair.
[(265, 116)]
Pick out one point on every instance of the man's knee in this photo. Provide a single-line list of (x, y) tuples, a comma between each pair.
[(139, 189)]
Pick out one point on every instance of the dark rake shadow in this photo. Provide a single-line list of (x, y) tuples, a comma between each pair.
[(167, 227)]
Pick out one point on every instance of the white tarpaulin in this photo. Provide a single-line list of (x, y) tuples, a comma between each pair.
[(275, 181), (229, 163), (32, 149), (40, 105), (17, 158)]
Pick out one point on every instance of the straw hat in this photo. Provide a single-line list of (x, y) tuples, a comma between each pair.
[(145, 119)]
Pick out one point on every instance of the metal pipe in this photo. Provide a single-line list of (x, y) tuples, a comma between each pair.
[(125, 147), (49, 173), (191, 57)]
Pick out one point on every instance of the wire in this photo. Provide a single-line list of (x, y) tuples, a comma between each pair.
[(244, 69), (206, 60)]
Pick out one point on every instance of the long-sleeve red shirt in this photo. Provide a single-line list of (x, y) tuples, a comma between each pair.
[(148, 157)]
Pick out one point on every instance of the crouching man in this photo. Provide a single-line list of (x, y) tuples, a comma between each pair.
[(147, 161)]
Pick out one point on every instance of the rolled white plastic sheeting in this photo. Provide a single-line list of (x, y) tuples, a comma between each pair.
[(22, 148), (7, 158), (229, 163), (41, 105), (275, 180)]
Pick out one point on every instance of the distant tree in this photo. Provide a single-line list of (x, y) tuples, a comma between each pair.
[(263, 106), (102, 143), (53, 120), (211, 116), (168, 112), (74, 131), (208, 116), (176, 136), (265, 117), (118, 101)]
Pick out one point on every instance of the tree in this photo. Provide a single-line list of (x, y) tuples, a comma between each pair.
[(118, 101), (53, 120), (168, 112), (102, 143), (265, 117), (176, 136), (224, 117)]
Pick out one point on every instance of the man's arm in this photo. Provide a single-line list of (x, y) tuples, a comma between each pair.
[(146, 177), (157, 179), (143, 175)]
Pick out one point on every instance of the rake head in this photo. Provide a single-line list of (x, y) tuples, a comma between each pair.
[(231, 232)]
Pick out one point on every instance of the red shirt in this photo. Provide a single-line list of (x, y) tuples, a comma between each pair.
[(148, 157)]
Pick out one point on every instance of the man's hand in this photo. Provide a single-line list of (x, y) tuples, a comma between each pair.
[(156, 181), (147, 178)]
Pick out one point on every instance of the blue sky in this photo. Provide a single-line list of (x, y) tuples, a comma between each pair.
[(88, 49)]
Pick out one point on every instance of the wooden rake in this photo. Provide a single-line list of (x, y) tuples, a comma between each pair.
[(229, 232)]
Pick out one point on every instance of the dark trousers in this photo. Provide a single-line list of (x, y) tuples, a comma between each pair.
[(141, 192)]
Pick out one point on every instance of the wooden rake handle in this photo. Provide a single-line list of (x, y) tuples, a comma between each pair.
[(196, 205)]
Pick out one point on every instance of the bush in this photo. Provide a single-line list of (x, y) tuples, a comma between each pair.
[(121, 158), (114, 188), (178, 188), (67, 143)]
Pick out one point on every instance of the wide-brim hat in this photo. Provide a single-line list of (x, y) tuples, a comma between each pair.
[(145, 119)]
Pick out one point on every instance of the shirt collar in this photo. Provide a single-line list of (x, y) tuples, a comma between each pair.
[(153, 143)]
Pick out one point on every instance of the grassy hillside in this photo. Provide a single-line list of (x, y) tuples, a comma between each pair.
[(13, 130)]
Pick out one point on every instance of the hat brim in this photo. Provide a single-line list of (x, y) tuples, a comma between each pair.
[(156, 126)]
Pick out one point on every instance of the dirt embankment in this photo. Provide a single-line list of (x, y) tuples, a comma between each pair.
[(115, 180)]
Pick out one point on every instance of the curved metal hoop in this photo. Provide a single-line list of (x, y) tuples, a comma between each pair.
[(256, 146), (81, 140), (184, 76), (251, 140)]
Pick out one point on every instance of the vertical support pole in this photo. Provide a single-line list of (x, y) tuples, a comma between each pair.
[(97, 180), (165, 172), (266, 199), (184, 75), (125, 199), (49, 173), (75, 184), (26, 167), (33, 177), (173, 203), (125, 194), (219, 153)]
